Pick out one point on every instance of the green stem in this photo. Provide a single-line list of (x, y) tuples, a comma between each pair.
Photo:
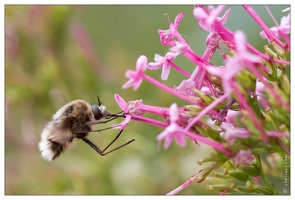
[(263, 176)]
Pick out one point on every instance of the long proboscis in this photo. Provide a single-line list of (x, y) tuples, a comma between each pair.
[(110, 117)]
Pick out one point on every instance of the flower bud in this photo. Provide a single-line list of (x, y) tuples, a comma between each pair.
[(279, 116), (213, 134), (246, 80), (192, 110), (278, 49), (219, 175), (205, 172), (245, 189), (248, 121), (249, 185), (238, 175), (268, 118), (268, 65), (281, 93), (286, 85), (209, 159), (283, 128), (233, 185), (218, 187), (251, 170), (269, 52), (206, 98)]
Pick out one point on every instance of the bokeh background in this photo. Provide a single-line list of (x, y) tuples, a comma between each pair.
[(55, 54)]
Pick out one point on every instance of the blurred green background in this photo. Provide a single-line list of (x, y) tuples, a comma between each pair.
[(53, 53)]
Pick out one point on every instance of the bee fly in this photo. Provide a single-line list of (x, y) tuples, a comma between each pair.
[(75, 120)]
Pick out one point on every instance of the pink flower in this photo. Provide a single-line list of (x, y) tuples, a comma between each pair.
[(163, 62), (223, 73), (173, 130), (185, 87), (135, 77), (260, 88), (232, 133), (241, 49), (232, 116), (207, 21), (123, 105), (244, 157), (213, 40), (282, 29), (205, 90), (166, 36), (242, 57), (235, 64), (261, 97), (179, 47), (132, 107)]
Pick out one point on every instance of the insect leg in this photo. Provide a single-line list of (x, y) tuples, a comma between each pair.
[(93, 146), (102, 152), (113, 141), (119, 147)]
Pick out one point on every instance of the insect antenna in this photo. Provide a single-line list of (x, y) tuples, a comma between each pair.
[(99, 102), (102, 152)]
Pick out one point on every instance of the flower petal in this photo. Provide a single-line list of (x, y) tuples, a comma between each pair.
[(141, 63), (128, 84), (121, 102), (123, 124), (165, 71), (185, 86), (225, 16), (137, 84), (130, 73), (180, 139), (285, 20), (159, 60), (200, 13), (168, 141), (177, 20), (173, 112), (240, 40)]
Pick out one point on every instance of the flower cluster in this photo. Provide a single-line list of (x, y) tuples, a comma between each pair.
[(246, 101)]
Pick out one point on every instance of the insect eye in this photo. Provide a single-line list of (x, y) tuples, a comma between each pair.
[(96, 112)]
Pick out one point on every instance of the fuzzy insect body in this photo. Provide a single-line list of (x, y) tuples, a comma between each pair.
[(73, 120)]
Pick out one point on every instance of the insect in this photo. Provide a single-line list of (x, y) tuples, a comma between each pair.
[(75, 120)]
